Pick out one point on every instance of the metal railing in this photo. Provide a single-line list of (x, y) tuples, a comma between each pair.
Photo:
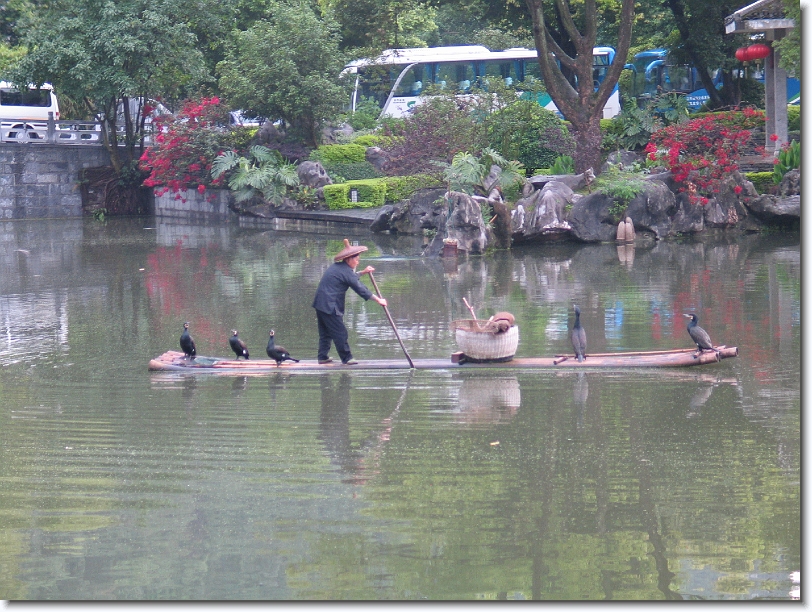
[(68, 132)]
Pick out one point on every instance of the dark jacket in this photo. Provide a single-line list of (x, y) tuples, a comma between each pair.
[(333, 286)]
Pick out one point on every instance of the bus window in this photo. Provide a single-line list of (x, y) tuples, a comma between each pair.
[(493, 71), (456, 74), (31, 97), (376, 82), (412, 82), (678, 78)]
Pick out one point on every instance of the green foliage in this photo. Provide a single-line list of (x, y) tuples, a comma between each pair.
[(794, 118), (526, 132), (564, 164), (399, 188), (374, 140), (632, 129), (752, 93), (789, 158), (106, 52), (467, 173), (371, 193), (263, 172), (286, 67), (351, 171), (366, 114), (620, 185), (762, 181), (340, 153)]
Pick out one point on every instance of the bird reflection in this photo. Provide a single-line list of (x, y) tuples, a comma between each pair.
[(239, 385), (701, 396), (580, 393)]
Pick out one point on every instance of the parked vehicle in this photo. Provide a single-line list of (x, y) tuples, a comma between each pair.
[(24, 114), (397, 78)]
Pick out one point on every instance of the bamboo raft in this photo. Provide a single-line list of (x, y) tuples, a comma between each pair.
[(677, 358)]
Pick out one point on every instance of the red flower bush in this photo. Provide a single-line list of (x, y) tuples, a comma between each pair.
[(701, 152), (185, 146)]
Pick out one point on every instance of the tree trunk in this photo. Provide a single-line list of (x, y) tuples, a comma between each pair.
[(588, 140)]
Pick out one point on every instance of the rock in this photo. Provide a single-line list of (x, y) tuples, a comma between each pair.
[(776, 209), (331, 134), (517, 218), (382, 221), (630, 234), (621, 232), (726, 210), (465, 223), (791, 183), (422, 210), (313, 174), (591, 220), (688, 218), (377, 157), (548, 210), (651, 209), (573, 181)]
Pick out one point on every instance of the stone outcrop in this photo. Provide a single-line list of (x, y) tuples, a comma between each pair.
[(543, 212)]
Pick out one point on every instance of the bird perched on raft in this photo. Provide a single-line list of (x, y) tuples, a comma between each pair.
[(277, 353), (187, 344), (700, 337), (237, 345), (578, 336)]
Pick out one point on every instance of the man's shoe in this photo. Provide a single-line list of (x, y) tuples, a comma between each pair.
[(323, 361), (350, 362)]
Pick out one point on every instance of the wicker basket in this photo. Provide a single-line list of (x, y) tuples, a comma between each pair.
[(479, 340)]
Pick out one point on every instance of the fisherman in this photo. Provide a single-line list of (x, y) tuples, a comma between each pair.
[(329, 301)]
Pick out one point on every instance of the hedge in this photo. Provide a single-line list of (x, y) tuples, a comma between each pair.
[(354, 171), (762, 181), (340, 153), (794, 118), (376, 192)]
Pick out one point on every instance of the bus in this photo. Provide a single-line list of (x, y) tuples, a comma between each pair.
[(396, 79), (655, 72), (24, 114)]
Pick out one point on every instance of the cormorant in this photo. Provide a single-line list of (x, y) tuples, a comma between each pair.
[(578, 336), (277, 353), (187, 345), (237, 345), (699, 335)]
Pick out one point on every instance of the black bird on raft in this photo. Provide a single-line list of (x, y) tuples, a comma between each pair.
[(237, 345), (187, 344), (578, 336), (699, 335), (277, 353)]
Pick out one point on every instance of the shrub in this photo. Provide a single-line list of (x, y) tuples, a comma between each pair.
[(621, 186), (789, 158), (366, 114), (374, 140), (339, 154), (526, 132), (185, 147), (794, 118), (437, 130), (399, 188), (353, 171), (371, 193), (701, 152), (762, 181), (262, 172), (563, 165)]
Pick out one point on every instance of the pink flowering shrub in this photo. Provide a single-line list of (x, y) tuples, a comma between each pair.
[(700, 153), (185, 145)]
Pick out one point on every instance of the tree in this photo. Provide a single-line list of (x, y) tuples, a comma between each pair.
[(109, 53), (287, 67), (790, 45), (580, 104)]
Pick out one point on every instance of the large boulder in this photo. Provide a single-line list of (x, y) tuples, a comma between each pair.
[(687, 218), (652, 209), (377, 157), (313, 174), (727, 210), (775, 209), (790, 185), (421, 211), (465, 223), (591, 219), (547, 208), (622, 159)]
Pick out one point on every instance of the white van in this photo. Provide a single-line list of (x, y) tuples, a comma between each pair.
[(24, 114)]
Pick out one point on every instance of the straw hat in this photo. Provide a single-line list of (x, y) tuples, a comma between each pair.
[(349, 251)]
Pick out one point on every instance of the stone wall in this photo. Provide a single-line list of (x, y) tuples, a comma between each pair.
[(39, 181), (193, 207)]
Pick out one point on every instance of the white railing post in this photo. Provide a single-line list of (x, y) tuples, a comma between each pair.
[(51, 128)]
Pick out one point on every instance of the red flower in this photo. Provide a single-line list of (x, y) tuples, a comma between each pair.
[(202, 188), (773, 137), (737, 189)]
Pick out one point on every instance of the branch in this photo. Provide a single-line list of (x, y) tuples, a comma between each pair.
[(559, 53), (567, 21)]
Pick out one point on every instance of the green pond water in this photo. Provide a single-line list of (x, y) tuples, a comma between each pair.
[(117, 483)]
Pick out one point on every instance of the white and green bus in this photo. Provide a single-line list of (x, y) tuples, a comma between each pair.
[(397, 78)]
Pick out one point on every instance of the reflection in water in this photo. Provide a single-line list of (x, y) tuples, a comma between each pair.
[(700, 397), (580, 393), (625, 254), (488, 400)]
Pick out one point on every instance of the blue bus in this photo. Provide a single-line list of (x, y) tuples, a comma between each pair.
[(654, 73)]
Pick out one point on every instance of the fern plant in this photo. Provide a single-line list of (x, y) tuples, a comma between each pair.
[(564, 164), (263, 172), (467, 172), (789, 158)]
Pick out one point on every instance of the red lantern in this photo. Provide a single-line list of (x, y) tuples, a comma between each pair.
[(741, 54), (757, 51)]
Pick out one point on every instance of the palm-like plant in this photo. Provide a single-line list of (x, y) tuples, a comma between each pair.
[(467, 173), (264, 172)]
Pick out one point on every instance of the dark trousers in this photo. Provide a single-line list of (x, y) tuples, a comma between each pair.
[(331, 328)]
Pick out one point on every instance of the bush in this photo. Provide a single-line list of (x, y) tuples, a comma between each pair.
[(526, 132), (789, 158), (366, 114), (339, 154), (762, 181), (371, 193), (794, 118), (374, 140), (399, 188), (437, 130), (354, 171)]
